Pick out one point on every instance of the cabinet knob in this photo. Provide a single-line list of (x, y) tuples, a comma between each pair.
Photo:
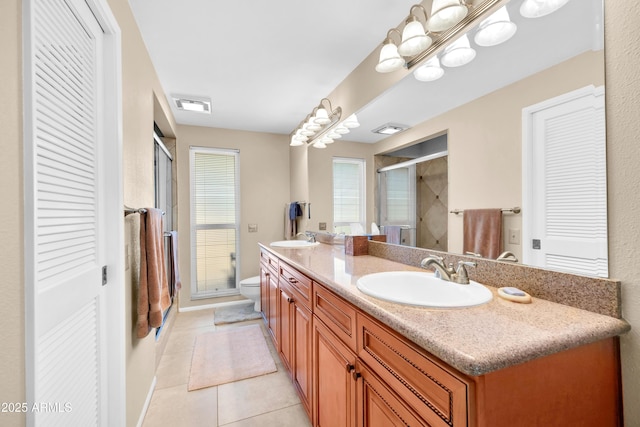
[(350, 367), (290, 300), (356, 375)]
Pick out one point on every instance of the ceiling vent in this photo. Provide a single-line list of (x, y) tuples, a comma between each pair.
[(390, 129), (192, 103)]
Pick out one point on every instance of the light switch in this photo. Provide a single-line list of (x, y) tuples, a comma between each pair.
[(253, 228), (514, 236)]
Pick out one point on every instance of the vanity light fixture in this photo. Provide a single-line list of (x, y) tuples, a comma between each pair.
[(538, 8), (390, 129), (458, 53), (496, 29), (429, 71), (192, 103), (445, 14), (322, 126)]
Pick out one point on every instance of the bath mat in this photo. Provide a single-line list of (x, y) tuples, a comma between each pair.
[(235, 313), (221, 357)]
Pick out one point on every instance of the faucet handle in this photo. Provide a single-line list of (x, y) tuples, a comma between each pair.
[(462, 276)]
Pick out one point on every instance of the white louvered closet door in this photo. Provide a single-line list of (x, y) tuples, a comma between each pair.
[(68, 221), (566, 210)]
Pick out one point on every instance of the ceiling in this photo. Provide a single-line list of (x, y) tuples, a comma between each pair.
[(265, 68)]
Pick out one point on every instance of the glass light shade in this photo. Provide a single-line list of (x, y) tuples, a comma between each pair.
[(321, 117), (300, 137), (414, 39), (351, 122), (334, 135), (429, 71), (445, 14), (342, 130), (295, 142), (538, 8), (496, 29), (319, 144), (390, 60), (306, 131), (326, 140), (458, 53), (310, 125)]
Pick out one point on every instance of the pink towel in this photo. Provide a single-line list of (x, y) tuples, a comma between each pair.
[(153, 294), (393, 233), (482, 232)]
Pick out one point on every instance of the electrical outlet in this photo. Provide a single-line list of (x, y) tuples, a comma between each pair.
[(253, 228), (322, 226), (514, 237)]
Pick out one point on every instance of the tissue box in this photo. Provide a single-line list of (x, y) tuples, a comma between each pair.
[(359, 245)]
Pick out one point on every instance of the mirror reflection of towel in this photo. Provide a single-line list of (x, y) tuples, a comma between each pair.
[(295, 210), (482, 232), (393, 233)]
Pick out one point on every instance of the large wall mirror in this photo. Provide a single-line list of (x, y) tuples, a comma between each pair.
[(478, 110)]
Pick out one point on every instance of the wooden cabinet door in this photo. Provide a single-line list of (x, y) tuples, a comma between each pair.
[(273, 310), (286, 327), (333, 381), (379, 406), (302, 368)]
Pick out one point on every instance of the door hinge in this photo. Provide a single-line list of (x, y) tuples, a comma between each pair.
[(104, 275)]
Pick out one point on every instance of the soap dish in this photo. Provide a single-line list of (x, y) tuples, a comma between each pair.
[(514, 294)]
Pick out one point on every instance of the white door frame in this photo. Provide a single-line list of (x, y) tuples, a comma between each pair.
[(110, 125)]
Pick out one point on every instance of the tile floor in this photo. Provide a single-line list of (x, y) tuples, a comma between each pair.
[(268, 400)]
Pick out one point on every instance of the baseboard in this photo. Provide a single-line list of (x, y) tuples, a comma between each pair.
[(147, 402)]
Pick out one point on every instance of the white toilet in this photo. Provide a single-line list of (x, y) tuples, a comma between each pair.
[(250, 288)]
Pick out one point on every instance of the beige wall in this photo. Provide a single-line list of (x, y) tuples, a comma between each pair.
[(264, 190), (622, 44), (321, 181), (488, 131), (12, 383)]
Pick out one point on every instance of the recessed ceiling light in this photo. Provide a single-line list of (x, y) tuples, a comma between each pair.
[(191, 103), (390, 129)]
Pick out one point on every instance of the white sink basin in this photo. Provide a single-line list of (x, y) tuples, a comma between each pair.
[(423, 289), (293, 244)]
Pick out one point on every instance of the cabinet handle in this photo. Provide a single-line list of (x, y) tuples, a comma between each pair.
[(350, 367), (290, 300), (292, 280), (356, 375)]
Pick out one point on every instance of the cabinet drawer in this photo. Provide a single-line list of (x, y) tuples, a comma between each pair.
[(337, 314), (269, 261), (435, 393), (298, 283)]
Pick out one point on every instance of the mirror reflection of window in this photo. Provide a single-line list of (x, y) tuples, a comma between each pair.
[(348, 195)]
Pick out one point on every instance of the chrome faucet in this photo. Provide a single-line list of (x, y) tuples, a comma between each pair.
[(310, 236), (458, 275)]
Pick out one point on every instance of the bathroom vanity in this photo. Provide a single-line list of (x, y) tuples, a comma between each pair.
[(360, 361)]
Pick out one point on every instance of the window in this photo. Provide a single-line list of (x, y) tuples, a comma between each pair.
[(348, 194), (215, 219)]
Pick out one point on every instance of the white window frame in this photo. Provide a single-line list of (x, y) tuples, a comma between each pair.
[(363, 185), (195, 294)]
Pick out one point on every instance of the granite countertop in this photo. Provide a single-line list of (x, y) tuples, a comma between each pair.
[(474, 340)]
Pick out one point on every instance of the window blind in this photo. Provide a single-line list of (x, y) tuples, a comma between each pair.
[(348, 192), (215, 221)]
